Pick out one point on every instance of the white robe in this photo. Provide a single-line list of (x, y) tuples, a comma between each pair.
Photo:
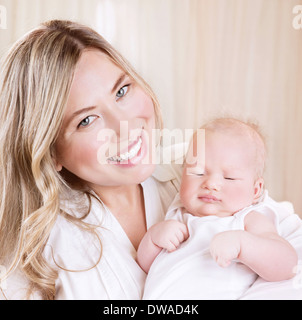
[(117, 275)]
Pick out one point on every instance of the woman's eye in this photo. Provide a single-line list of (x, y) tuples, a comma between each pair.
[(122, 92), (86, 122), (226, 178)]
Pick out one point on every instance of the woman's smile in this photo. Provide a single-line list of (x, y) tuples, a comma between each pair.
[(134, 148)]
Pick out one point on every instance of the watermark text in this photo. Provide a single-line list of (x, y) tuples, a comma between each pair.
[(297, 21), (140, 145), (3, 17)]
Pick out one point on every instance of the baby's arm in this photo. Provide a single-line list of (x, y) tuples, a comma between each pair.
[(167, 235), (259, 247)]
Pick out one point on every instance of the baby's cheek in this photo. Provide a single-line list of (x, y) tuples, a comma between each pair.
[(238, 199), (186, 193)]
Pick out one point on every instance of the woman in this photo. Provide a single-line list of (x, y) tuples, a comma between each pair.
[(78, 183), (63, 85)]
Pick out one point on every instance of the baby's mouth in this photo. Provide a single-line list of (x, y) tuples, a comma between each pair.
[(208, 198)]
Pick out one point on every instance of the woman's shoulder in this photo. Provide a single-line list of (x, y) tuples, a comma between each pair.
[(72, 240), (71, 246)]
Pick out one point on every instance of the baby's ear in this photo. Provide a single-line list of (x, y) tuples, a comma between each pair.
[(258, 189)]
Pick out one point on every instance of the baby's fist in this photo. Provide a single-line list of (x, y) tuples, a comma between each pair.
[(169, 234), (225, 247)]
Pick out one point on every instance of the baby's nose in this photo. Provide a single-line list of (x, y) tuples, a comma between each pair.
[(212, 183)]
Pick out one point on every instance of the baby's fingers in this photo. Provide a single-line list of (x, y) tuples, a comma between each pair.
[(221, 259), (182, 232), (180, 235), (175, 241), (172, 245), (223, 262), (185, 232)]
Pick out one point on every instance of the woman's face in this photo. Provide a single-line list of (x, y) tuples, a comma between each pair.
[(105, 139)]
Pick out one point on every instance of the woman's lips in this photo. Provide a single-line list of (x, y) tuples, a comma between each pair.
[(131, 152), (136, 154)]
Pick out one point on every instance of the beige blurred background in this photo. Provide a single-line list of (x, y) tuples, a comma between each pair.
[(203, 58)]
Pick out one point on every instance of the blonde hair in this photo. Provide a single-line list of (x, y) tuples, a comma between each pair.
[(36, 78), (247, 129)]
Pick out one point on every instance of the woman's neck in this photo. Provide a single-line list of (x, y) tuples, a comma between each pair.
[(119, 196), (126, 203)]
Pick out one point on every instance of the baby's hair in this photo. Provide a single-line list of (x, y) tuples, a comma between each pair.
[(249, 129)]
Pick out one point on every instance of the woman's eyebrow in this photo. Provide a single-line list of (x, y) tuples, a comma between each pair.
[(78, 112), (118, 82)]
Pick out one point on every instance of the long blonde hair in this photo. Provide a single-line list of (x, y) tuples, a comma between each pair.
[(36, 77)]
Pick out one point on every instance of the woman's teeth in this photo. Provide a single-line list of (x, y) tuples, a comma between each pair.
[(128, 155)]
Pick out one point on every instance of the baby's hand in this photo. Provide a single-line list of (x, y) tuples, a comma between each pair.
[(225, 247), (169, 234)]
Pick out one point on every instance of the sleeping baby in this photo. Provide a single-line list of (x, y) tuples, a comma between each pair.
[(219, 235)]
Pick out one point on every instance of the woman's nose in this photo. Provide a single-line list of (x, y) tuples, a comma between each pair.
[(126, 130), (121, 122)]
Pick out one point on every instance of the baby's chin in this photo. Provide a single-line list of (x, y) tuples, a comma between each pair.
[(211, 212), (214, 212)]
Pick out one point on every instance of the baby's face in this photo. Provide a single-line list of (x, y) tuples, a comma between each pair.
[(227, 182)]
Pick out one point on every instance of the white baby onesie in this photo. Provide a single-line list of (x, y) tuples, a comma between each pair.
[(190, 272)]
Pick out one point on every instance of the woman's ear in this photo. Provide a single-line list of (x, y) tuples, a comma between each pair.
[(56, 162), (258, 189), (58, 166)]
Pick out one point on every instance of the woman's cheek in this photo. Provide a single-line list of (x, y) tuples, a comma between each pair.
[(144, 106), (83, 152)]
